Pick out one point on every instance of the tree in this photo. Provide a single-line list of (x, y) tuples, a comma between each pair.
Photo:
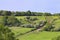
[(49, 23), (47, 14), (18, 13), (1, 12), (5, 32), (8, 13), (28, 13), (12, 21)]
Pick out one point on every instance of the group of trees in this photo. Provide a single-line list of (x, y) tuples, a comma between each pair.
[(5, 32), (49, 23), (50, 26), (11, 21), (27, 13), (9, 18)]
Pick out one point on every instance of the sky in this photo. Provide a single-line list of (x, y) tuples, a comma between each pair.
[(52, 6)]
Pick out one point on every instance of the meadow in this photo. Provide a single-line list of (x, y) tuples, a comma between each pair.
[(29, 25), (44, 35)]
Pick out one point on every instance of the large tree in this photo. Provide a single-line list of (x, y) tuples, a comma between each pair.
[(5, 32)]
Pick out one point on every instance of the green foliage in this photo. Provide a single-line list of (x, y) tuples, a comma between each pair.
[(27, 17), (49, 28), (6, 34), (27, 13), (29, 20), (28, 26), (56, 38), (12, 21), (6, 13)]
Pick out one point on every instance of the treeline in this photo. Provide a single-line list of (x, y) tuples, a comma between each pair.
[(27, 13)]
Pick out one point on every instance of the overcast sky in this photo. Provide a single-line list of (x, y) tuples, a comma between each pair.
[(51, 6)]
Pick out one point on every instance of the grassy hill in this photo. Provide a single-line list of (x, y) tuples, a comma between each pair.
[(44, 35), (33, 35)]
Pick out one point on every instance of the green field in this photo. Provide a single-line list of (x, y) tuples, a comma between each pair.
[(27, 25), (34, 35), (18, 30), (39, 36), (44, 35)]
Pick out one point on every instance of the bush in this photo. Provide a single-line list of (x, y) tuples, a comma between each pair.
[(6, 33), (49, 28), (12, 21), (40, 24), (57, 29), (27, 17), (33, 19), (28, 26), (56, 38)]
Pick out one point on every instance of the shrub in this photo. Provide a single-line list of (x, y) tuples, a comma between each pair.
[(56, 38), (27, 17), (12, 21), (28, 26), (40, 24), (57, 29), (6, 34), (49, 28), (33, 19)]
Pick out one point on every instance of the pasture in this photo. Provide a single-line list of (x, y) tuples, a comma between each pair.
[(44, 35)]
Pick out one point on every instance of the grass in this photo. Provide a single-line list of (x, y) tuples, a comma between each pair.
[(36, 35), (18, 30), (39, 36), (33, 35)]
